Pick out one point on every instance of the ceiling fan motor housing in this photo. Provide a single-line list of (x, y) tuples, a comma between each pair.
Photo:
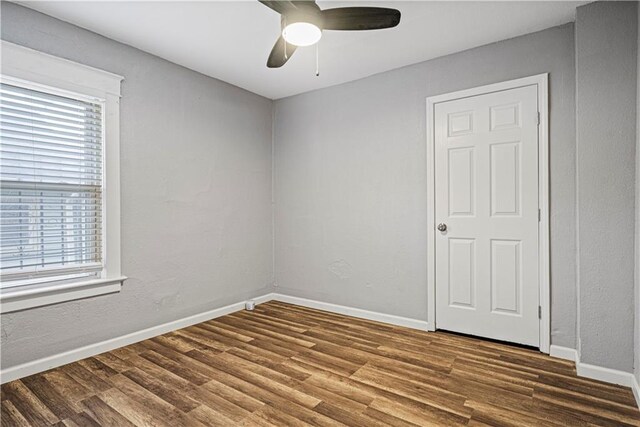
[(311, 16)]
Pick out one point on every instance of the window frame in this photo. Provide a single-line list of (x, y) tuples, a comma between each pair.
[(22, 66), (58, 273)]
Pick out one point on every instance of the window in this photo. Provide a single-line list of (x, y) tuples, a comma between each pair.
[(50, 184), (59, 180)]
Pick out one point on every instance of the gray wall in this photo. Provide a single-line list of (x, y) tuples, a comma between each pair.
[(636, 364), (196, 195), (606, 38), (350, 179)]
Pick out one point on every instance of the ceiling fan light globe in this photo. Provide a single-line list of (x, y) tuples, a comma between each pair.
[(302, 34)]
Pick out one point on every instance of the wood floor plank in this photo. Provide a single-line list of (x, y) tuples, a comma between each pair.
[(81, 419), (49, 396), (136, 412), (282, 401), (494, 379), (266, 340), (589, 387), (72, 390), (324, 395), (177, 342), (255, 420), (488, 366), (177, 367), (264, 330), (245, 401), (113, 362), (124, 352), (86, 378), (387, 418), (601, 414), (98, 368), (588, 398), (497, 416), (328, 362), (340, 338), (228, 403), (346, 417), (258, 380), (156, 407), (10, 416), (161, 389), (419, 414), (287, 365), (28, 404), (210, 417), (104, 414), (339, 385), (403, 370), (262, 370), (279, 418), (225, 339), (275, 322), (203, 336), (252, 352), (430, 395), (227, 333)]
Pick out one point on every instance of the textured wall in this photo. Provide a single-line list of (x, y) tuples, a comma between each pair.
[(636, 364), (350, 178), (350, 183), (196, 195), (606, 37)]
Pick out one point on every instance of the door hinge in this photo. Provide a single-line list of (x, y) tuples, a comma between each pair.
[(539, 312), (538, 118), (539, 215)]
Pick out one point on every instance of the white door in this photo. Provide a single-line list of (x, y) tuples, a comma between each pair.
[(486, 186)]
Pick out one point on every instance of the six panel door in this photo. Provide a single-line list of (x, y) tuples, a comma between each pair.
[(486, 178)]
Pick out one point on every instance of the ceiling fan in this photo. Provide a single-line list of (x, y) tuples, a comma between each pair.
[(302, 24)]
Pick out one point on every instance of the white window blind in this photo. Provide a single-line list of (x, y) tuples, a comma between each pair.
[(50, 184)]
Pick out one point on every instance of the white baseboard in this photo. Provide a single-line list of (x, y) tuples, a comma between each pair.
[(354, 312), (595, 372), (608, 375), (40, 365), (53, 361), (636, 390), (565, 353)]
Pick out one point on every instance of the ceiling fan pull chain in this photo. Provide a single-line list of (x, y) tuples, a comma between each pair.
[(317, 59)]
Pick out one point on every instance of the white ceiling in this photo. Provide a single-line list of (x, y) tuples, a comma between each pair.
[(230, 40)]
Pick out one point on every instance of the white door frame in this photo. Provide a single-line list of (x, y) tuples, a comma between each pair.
[(541, 80)]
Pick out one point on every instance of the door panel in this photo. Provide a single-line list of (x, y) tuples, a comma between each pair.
[(462, 273), (505, 276), (486, 162), (461, 182), (505, 178)]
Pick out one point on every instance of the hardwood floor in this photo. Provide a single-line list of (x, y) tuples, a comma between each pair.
[(285, 365)]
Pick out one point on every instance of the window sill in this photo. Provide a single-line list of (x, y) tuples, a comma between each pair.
[(22, 299)]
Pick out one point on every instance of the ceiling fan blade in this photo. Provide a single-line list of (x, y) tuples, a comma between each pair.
[(277, 57), (301, 4), (280, 6), (360, 18)]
